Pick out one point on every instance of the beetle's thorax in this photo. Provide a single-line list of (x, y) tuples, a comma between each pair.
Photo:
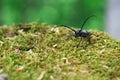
[(82, 33)]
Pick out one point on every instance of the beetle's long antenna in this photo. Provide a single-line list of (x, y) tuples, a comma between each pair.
[(86, 20), (68, 27)]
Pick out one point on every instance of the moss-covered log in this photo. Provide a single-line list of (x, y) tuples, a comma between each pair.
[(40, 51)]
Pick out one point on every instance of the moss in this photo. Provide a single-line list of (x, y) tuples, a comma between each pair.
[(40, 51)]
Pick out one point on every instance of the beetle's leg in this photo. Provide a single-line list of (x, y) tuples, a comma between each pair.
[(88, 39), (79, 42), (69, 36)]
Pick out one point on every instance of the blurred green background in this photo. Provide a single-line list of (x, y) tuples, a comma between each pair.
[(67, 12)]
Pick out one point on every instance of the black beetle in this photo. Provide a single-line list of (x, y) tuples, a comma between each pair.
[(80, 33)]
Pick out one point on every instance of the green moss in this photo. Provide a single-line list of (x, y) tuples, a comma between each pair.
[(40, 51)]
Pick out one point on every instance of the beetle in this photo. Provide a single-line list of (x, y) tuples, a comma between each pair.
[(80, 33)]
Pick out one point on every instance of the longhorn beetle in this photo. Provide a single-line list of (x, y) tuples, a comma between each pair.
[(80, 33)]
